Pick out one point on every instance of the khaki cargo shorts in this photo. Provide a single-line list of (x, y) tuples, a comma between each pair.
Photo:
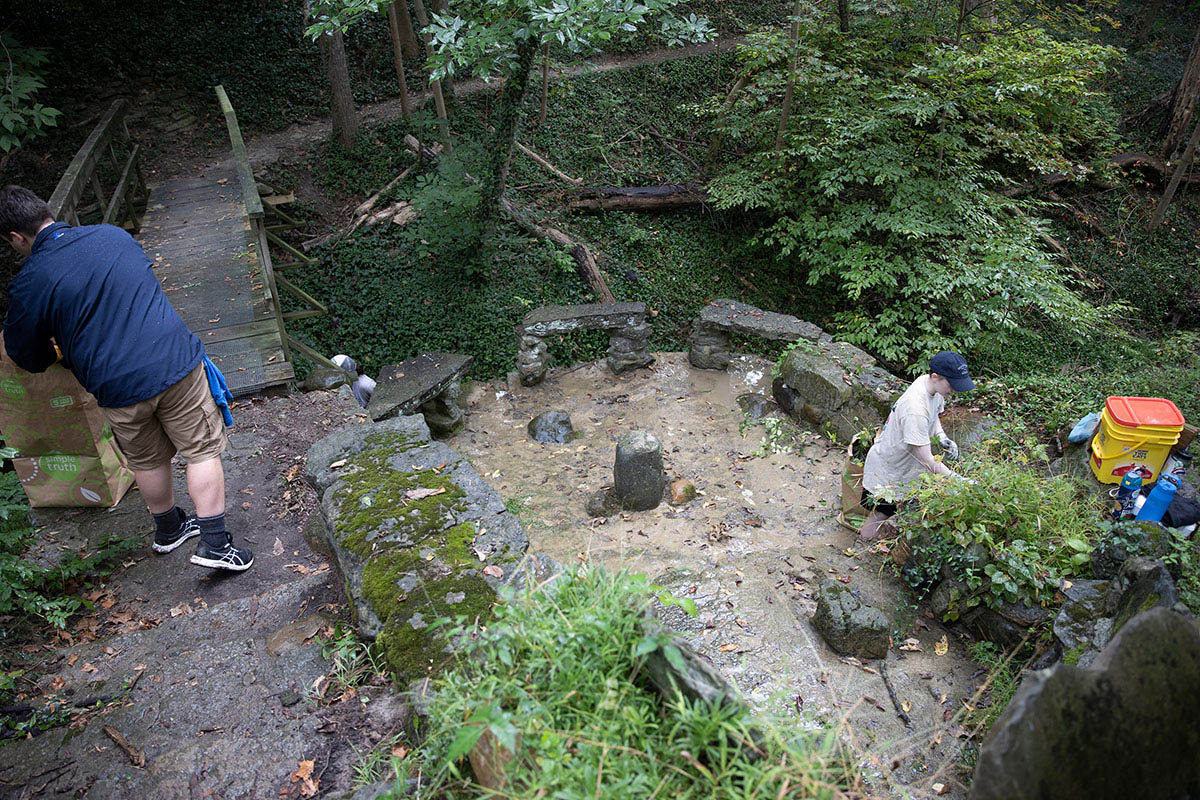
[(183, 419)]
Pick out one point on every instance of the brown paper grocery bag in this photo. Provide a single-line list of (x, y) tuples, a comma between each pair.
[(853, 511), (66, 453), (58, 480), (47, 412)]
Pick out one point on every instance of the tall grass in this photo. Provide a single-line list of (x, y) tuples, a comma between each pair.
[(556, 679)]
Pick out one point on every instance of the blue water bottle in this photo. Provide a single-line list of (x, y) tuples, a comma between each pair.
[(1161, 497), (1127, 494)]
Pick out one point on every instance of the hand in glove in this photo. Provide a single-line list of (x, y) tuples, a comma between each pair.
[(949, 448)]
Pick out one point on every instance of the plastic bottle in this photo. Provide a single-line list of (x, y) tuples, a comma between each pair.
[(1161, 497), (1127, 492)]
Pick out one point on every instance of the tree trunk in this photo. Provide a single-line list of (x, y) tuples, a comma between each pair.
[(408, 38), (545, 84), (398, 52), (506, 134), (791, 87), (1183, 102), (1181, 169), (341, 100), (1147, 19), (714, 146), (439, 101), (844, 16), (443, 7)]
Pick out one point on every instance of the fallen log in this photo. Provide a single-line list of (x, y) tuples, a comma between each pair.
[(641, 198), (1123, 160)]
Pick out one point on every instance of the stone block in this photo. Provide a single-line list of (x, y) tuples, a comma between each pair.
[(840, 386), (325, 379), (404, 388), (638, 478), (552, 427), (549, 320)]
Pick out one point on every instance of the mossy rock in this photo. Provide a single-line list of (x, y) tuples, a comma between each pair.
[(413, 527)]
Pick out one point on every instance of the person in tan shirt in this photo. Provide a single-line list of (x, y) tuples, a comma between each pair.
[(903, 451)]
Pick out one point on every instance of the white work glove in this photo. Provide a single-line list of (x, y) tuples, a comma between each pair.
[(949, 448)]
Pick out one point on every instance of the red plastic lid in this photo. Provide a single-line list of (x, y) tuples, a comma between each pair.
[(1133, 412)]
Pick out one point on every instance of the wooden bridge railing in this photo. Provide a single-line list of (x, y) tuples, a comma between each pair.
[(119, 208), (266, 234)]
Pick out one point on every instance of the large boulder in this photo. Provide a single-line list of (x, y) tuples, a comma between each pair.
[(416, 533), (835, 385), (1128, 726), (850, 627)]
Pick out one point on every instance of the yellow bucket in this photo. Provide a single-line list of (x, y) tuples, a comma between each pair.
[(1135, 432)]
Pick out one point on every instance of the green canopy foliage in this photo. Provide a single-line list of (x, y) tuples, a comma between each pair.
[(885, 190), (22, 117)]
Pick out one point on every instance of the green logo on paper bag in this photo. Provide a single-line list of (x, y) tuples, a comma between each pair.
[(12, 387), (62, 401), (61, 468)]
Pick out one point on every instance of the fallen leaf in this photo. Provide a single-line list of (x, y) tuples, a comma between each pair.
[(339, 463), (844, 578), (277, 550), (88, 667), (493, 571), (942, 646), (57, 682), (907, 706), (912, 645), (727, 648), (71, 659), (303, 776), (400, 752), (417, 494)]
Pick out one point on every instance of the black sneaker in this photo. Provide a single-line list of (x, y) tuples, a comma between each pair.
[(226, 556), (186, 530)]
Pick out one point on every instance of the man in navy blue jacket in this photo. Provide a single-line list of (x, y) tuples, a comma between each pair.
[(88, 296)]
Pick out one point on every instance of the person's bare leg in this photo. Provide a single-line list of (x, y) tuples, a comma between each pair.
[(870, 529), (157, 488), (206, 486)]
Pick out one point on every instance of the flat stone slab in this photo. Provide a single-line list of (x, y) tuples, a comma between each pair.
[(593, 316), (735, 317), (403, 388)]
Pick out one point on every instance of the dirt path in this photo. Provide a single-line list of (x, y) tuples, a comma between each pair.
[(271, 147), (202, 673), (749, 551)]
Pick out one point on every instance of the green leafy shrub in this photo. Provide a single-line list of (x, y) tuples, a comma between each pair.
[(22, 117), (1048, 384), (1010, 533), (884, 190), (29, 589), (555, 679)]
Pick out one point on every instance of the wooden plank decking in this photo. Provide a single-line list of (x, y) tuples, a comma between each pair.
[(206, 254)]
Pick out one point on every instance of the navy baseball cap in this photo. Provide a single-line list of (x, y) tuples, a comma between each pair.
[(952, 367)]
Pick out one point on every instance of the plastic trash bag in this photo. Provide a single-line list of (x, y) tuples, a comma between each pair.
[(1084, 429)]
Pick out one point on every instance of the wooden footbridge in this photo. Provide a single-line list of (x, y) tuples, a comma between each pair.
[(208, 237)]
